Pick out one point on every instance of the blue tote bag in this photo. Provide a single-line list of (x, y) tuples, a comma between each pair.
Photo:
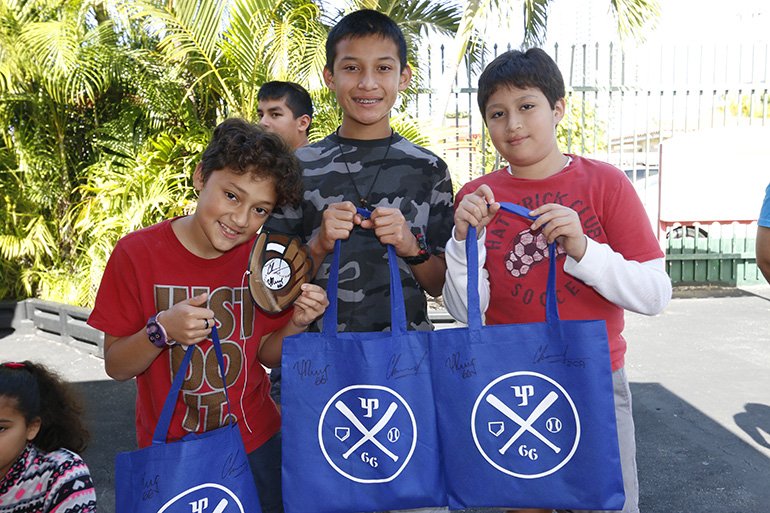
[(205, 472), (358, 419), (526, 413)]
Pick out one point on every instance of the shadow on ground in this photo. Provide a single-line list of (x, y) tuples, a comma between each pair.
[(688, 463)]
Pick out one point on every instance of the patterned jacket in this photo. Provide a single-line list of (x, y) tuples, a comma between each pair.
[(40, 482)]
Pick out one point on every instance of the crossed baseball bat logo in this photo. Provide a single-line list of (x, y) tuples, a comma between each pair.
[(368, 435), (525, 425)]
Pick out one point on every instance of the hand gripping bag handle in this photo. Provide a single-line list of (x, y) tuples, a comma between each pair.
[(397, 308), (161, 430), (471, 254)]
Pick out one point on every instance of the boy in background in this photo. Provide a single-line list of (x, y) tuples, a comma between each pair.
[(286, 109), (366, 164), (611, 258), (167, 285)]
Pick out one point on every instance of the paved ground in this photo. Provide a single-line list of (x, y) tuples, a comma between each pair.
[(699, 372)]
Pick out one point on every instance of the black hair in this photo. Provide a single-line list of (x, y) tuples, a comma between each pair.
[(245, 147), (41, 393), (361, 23), (296, 97), (533, 68)]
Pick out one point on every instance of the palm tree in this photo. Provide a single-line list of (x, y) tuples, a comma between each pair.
[(74, 97), (230, 48), (53, 68), (226, 50)]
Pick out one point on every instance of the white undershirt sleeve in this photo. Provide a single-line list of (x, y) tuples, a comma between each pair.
[(456, 285), (641, 287)]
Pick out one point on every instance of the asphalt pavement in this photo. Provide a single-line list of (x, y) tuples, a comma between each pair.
[(699, 373)]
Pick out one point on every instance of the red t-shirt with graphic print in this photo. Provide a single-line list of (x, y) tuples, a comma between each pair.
[(517, 258), (150, 271)]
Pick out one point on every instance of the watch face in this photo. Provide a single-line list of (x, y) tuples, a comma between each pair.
[(155, 334)]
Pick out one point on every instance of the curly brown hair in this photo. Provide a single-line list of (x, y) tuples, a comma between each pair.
[(40, 392), (245, 147)]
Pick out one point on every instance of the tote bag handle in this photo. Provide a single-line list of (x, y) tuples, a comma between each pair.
[(161, 430), (397, 308), (471, 254)]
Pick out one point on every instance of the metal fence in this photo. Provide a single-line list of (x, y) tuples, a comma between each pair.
[(621, 104)]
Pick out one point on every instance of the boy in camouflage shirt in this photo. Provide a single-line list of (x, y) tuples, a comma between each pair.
[(366, 164)]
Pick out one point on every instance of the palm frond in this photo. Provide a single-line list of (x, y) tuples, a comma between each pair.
[(327, 115), (32, 239), (189, 35), (420, 17), (635, 17), (535, 22)]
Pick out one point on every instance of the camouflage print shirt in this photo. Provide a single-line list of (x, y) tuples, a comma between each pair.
[(412, 179)]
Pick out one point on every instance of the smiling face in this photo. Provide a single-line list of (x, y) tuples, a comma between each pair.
[(14, 433), (366, 79), (231, 209), (522, 126), (277, 117)]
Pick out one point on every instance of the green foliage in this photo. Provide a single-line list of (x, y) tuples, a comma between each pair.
[(327, 115), (535, 18), (48, 83), (487, 158), (76, 97), (756, 106), (127, 193), (581, 131)]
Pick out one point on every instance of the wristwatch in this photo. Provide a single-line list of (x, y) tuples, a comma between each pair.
[(424, 253), (157, 333)]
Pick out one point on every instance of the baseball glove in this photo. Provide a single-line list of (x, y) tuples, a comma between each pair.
[(278, 266)]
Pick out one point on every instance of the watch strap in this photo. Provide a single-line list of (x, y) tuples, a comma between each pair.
[(424, 253)]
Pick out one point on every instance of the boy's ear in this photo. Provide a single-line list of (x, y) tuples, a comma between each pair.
[(405, 78), (198, 177), (558, 111), (303, 122), (328, 78)]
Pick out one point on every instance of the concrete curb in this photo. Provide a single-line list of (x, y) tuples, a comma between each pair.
[(53, 321)]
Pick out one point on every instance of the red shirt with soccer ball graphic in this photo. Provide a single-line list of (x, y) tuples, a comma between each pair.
[(517, 258)]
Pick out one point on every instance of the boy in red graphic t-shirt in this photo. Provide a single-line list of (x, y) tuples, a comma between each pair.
[(167, 285), (611, 260)]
